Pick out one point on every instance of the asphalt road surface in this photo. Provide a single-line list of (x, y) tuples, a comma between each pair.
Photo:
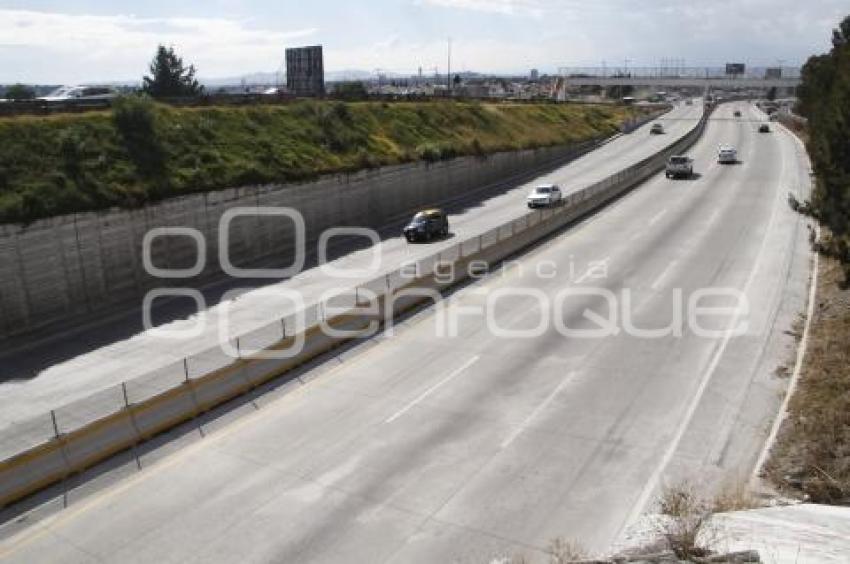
[(59, 371), (430, 448)]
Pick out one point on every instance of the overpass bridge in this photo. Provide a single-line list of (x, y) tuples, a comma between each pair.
[(704, 78), (683, 82)]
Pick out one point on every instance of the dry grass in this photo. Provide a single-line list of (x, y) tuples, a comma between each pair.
[(812, 455), (562, 551), (734, 496), (686, 520), (559, 551)]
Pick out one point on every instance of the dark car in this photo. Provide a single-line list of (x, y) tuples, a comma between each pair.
[(764, 128), (427, 225), (737, 113)]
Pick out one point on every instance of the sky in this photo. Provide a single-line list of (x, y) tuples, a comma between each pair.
[(86, 41)]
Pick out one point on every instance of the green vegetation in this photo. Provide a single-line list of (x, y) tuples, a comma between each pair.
[(19, 92), (170, 78), (142, 151), (351, 90), (825, 100)]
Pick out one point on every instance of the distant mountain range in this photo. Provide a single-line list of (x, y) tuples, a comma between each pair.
[(263, 78), (272, 78)]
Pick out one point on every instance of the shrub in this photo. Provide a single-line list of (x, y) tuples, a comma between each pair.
[(686, 520), (429, 152), (135, 120)]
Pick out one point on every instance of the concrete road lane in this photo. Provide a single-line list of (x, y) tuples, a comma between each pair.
[(88, 371), (430, 448)]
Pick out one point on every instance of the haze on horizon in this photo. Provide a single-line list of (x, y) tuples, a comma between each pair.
[(77, 41)]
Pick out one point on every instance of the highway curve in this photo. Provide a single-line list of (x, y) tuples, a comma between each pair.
[(59, 371), (427, 448)]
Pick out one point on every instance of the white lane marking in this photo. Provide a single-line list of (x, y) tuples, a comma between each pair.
[(431, 390), (652, 484), (522, 426), (593, 269), (657, 217), (664, 274), (798, 369)]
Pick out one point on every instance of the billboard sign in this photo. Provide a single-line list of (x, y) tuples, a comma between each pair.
[(773, 72), (735, 68)]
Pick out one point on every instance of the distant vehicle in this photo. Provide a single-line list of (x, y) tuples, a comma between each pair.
[(773, 117), (764, 128), (689, 102), (427, 225), (727, 155), (274, 91), (656, 129), (628, 100), (737, 113), (545, 195), (66, 94), (679, 166)]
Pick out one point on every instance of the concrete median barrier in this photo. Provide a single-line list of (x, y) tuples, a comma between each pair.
[(136, 415)]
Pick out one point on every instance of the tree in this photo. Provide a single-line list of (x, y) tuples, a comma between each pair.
[(824, 99), (20, 92), (351, 90), (841, 34), (169, 76)]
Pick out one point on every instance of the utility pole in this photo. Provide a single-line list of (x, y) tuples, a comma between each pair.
[(449, 73)]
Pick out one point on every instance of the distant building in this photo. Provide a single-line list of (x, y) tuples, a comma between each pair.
[(773, 72), (535, 74), (305, 71), (475, 91)]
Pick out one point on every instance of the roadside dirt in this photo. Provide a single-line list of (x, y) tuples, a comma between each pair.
[(811, 458)]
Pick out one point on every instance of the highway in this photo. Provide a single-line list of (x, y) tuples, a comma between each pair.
[(434, 448), (32, 382)]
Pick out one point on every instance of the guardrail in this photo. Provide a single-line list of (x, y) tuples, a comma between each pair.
[(77, 436)]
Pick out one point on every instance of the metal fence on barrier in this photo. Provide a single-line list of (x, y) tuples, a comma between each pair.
[(24, 435)]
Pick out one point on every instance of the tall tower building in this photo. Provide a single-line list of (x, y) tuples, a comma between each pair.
[(305, 71)]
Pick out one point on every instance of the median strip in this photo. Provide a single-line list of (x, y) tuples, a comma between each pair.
[(65, 454)]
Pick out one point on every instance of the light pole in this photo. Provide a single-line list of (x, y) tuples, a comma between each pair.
[(449, 72)]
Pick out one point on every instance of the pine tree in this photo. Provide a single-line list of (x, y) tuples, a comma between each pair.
[(169, 76)]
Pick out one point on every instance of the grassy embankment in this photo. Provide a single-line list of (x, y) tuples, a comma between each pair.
[(140, 152)]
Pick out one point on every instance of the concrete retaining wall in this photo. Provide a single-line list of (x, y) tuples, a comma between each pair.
[(108, 430), (76, 267)]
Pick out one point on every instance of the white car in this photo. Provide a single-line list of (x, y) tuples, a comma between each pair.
[(727, 155), (80, 93), (545, 195)]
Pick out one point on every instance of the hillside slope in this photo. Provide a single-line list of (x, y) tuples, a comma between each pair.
[(141, 152)]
